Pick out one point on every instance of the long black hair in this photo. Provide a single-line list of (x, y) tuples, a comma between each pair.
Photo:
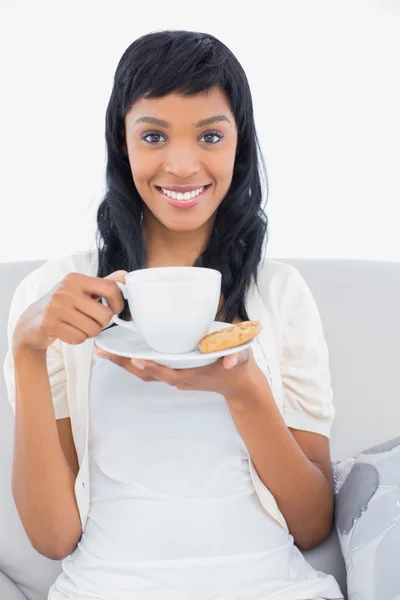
[(186, 63)]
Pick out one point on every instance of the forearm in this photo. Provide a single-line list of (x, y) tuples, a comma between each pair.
[(43, 483), (302, 491)]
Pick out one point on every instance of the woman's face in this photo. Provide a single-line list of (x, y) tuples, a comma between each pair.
[(177, 142)]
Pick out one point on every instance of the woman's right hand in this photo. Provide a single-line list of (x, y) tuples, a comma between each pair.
[(69, 312)]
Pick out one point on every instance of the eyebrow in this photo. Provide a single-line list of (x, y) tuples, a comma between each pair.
[(201, 123)]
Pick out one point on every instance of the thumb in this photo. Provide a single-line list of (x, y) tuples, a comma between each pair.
[(117, 276), (239, 358)]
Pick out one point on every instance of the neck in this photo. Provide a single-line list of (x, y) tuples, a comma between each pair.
[(166, 248)]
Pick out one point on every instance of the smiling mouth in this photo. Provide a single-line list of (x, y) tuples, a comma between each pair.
[(194, 199), (183, 197)]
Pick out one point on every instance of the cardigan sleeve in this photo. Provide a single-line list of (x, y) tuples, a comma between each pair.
[(32, 287), (308, 397)]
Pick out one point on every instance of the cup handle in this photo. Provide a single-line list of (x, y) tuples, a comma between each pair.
[(115, 318)]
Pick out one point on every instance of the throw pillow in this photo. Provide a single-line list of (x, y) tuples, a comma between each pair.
[(367, 518)]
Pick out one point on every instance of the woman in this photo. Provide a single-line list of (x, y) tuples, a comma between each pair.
[(156, 483)]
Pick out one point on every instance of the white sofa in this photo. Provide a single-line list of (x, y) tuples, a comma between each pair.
[(360, 306)]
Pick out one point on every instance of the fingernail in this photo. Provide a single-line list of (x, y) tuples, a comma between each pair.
[(101, 354), (137, 364), (234, 360)]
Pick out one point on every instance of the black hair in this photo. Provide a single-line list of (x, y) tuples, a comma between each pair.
[(186, 63)]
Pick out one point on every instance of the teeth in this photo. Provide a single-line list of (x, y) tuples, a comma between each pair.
[(185, 196)]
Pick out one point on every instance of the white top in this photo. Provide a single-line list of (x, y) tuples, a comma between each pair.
[(292, 342), (174, 514)]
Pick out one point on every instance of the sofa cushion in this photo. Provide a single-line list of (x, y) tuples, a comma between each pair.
[(328, 558), (8, 590)]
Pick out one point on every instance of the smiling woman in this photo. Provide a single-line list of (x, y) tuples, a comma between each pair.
[(159, 483), (181, 123)]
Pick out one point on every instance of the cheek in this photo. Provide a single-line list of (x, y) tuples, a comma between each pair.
[(226, 157), (143, 165), (223, 167)]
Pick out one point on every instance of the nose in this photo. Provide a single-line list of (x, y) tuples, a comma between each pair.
[(181, 162)]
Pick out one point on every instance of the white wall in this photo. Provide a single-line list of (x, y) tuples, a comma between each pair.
[(325, 81)]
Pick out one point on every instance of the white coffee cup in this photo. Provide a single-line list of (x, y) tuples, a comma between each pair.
[(173, 308)]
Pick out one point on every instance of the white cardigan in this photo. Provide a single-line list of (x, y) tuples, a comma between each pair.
[(292, 340)]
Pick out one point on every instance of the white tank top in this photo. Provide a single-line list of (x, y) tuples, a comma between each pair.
[(174, 514)]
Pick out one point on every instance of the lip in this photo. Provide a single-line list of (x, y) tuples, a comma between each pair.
[(184, 203)]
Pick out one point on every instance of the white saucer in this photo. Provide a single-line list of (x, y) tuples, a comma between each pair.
[(122, 342)]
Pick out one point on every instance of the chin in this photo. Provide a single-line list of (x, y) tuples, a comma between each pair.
[(183, 226), (181, 221)]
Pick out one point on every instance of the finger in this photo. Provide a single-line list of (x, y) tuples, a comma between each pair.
[(117, 276), (125, 363), (229, 362), (113, 296), (69, 334), (81, 322), (121, 277), (98, 287), (234, 360), (92, 308), (159, 372)]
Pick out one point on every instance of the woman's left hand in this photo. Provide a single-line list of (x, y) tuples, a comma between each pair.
[(227, 376)]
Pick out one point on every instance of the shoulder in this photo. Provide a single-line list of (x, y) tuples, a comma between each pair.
[(43, 278), (278, 279), (77, 262), (283, 289)]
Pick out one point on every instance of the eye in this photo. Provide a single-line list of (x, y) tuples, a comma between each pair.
[(213, 134), (152, 134), (153, 137)]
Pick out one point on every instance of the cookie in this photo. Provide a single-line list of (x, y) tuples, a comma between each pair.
[(230, 337)]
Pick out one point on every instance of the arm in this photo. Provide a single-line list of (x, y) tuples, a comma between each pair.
[(45, 462), (290, 451), (294, 465), (43, 476)]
